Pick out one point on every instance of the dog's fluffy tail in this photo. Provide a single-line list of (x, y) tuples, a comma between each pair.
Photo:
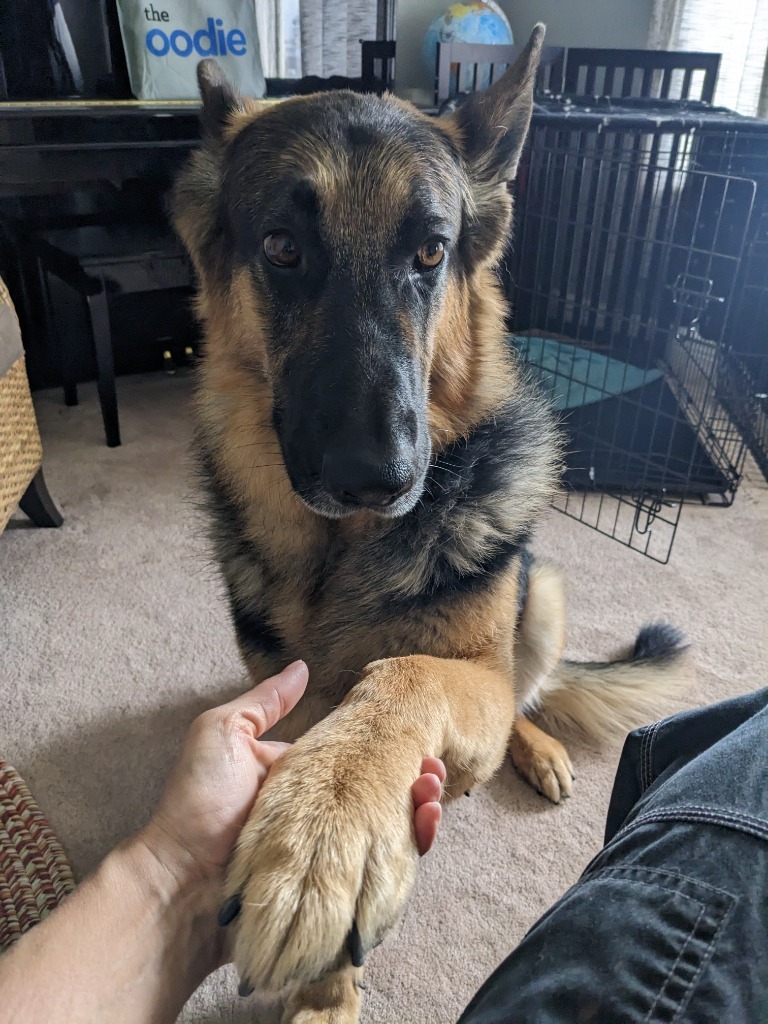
[(603, 701)]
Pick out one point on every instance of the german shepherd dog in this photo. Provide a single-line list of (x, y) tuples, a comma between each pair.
[(375, 462)]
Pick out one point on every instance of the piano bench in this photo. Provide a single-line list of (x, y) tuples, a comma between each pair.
[(100, 262)]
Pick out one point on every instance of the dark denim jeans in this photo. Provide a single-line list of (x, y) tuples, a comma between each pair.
[(670, 921)]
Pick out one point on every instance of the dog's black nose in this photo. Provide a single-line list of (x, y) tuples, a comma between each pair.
[(361, 479)]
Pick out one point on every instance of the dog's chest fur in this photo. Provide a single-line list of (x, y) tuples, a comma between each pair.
[(341, 593)]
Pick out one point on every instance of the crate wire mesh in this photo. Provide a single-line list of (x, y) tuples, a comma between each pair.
[(624, 263), (739, 146)]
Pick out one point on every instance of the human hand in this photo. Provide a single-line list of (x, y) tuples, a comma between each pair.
[(221, 768), (142, 932), (218, 774), (427, 811)]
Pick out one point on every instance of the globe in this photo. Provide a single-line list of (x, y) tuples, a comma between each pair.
[(478, 21)]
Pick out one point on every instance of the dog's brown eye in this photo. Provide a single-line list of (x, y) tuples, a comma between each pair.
[(430, 255), (280, 248)]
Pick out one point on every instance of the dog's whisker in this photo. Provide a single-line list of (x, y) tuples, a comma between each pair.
[(450, 471), (259, 444), (446, 461)]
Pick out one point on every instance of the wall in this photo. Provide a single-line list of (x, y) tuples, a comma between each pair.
[(619, 23)]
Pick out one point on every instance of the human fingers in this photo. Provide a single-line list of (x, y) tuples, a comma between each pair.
[(265, 704), (426, 820), (426, 792), (433, 766), (426, 789)]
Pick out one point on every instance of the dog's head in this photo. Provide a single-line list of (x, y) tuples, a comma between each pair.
[(338, 235)]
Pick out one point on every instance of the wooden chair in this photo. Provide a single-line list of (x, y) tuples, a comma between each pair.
[(454, 60), (651, 74)]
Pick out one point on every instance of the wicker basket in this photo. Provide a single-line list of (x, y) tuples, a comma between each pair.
[(20, 449), (34, 873)]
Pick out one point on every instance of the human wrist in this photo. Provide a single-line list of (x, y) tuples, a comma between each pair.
[(132, 943), (185, 896), (180, 867)]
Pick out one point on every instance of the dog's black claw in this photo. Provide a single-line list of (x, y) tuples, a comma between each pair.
[(229, 910), (245, 988), (355, 946), (362, 986), (467, 792)]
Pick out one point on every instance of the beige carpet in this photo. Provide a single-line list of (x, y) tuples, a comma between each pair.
[(114, 635)]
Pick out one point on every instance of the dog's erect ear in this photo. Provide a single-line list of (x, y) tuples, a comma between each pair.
[(493, 124), (219, 98), (491, 128)]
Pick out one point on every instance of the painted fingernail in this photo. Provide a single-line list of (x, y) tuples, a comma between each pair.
[(230, 908), (245, 988), (355, 946)]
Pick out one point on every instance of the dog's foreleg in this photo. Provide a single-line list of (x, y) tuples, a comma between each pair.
[(328, 854), (334, 1000), (540, 640)]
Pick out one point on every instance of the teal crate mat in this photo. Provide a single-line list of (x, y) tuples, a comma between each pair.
[(576, 376)]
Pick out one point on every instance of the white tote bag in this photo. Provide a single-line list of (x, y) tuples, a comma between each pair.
[(164, 41)]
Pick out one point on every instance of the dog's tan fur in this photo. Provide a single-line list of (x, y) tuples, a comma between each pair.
[(330, 839)]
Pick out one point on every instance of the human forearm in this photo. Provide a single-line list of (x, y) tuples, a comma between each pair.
[(131, 944), (128, 947)]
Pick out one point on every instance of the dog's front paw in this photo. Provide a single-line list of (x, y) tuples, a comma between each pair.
[(324, 863)]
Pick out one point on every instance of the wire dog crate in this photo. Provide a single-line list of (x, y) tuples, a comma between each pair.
[(625, 259), (739, 145)]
